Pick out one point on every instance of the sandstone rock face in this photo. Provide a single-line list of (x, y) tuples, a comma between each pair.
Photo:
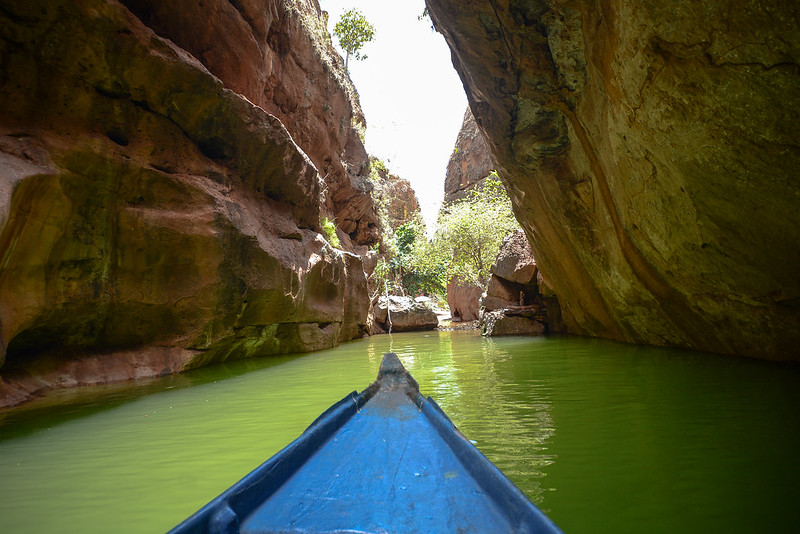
[(395, 194), (403, 314), (152, 219), (267, 51), (515, 261), (503, 323), (513, 304), (514, 275), (402, 205), (464, 300), (650, 150), (470, 162)]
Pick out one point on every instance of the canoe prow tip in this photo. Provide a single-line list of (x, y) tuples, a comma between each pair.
[(391, 364), (392, 372)]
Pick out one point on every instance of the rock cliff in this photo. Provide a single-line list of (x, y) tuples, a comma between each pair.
[(651, 153), (394, 194), (402, 204), (464, 300), (469, 164), (154, 214), (278, 55)]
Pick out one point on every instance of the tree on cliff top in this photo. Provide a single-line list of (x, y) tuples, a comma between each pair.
[(353, 32)]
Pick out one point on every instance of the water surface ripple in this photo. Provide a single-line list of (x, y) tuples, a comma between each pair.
[(604, 437)]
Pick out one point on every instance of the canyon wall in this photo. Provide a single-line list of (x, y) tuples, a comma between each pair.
[(160, 205), (651, 153), (469, 164), (395, 195), (278, 55)]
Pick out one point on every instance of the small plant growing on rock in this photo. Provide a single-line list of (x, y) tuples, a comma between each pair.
[(379, 165), (329, 231), (376, 168)]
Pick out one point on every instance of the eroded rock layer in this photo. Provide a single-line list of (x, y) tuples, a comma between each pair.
[(651, 153), (278, 54), (469, 164), (152, 219), (517, 300)]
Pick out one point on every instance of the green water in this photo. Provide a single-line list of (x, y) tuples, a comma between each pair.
[(603, 437)]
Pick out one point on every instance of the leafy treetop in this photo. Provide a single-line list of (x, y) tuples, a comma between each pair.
[(468, 237), (471, 231), (353, 31)]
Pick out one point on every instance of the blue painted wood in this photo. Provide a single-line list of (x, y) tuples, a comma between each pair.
[(383, 460)]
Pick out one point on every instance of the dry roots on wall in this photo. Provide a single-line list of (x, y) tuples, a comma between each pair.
[(650, 150), (151, 219)]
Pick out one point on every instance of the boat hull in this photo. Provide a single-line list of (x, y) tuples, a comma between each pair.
[(383, 460)]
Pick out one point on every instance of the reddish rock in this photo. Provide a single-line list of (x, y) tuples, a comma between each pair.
[(403, 314), (395, 193), (650, 151), (515, 261), (464, 300), (513, 303), (470, 163), (501, 323), (403, 205), (504, 293), (279, 56), (513, 280), (152, 219)]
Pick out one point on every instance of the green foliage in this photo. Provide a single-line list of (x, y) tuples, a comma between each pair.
[(360, 129), (407, 266), (466, 243), (329, 231), (419, 270), (426, 15), (425, 269), (379, 165), (381, 279), (406, 234), (468, 237), (376, 167), (471, 231), (353, 31)]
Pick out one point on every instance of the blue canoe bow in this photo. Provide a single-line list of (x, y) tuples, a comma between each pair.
[(383, 460)]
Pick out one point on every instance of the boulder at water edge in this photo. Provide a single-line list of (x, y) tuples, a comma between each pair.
[(402, 314)]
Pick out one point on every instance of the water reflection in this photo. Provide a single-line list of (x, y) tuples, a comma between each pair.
[(604, 437), (487, 392)]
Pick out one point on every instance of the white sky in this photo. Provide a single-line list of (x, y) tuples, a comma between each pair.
[(411, 96)]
